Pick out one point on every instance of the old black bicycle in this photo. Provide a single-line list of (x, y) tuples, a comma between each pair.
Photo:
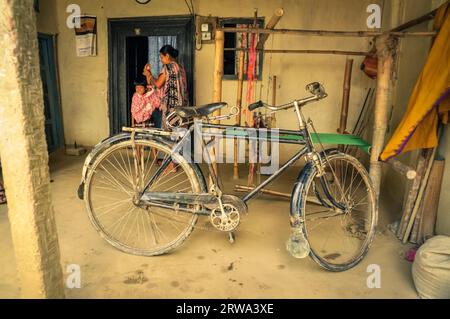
[(144, 191)]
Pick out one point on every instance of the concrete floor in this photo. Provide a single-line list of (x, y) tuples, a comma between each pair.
[(207, 265)]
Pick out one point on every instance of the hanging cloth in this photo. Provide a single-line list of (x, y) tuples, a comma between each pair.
[(430, 98), (251, 72)]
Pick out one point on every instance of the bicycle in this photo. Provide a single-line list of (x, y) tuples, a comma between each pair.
[(146, 209)]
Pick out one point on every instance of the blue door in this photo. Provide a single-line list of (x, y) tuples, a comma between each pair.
[(53, 120)]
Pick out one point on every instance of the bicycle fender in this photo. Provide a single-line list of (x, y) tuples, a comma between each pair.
[(297, 196), (299, 187)]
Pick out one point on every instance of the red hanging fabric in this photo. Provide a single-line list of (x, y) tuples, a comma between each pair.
[(251, 76)]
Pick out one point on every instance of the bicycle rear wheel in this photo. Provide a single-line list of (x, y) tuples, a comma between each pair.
[(115, 179), (339, 237)]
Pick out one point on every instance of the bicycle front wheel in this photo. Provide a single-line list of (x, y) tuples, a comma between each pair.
[(339, 210), (115, 179)]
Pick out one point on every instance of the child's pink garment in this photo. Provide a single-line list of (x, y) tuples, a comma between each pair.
[(142, 106)]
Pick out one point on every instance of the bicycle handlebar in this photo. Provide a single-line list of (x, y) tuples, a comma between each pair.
[(314, 88), (255, 105), (301, 102)]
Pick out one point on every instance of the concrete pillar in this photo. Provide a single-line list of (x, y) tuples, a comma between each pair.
[(23, 150)]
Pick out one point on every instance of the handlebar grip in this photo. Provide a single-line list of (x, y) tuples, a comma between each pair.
[(255, 105)]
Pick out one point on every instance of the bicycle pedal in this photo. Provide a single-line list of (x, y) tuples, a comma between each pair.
[(231, 237)]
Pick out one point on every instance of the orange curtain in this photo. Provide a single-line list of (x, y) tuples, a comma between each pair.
[(430, 99)]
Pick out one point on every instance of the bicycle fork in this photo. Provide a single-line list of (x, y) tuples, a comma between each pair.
[(297, 244)]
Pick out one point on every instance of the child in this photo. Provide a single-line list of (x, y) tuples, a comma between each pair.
[(143, 103)]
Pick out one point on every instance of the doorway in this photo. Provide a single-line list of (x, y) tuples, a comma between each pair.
[(135, 42), (53, 120)]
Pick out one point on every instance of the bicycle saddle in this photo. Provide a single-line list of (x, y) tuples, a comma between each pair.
[(199, 111)]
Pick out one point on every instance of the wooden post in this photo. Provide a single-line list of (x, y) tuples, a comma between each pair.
[(241, 58), (346, 95), (386, 46), (217, 82), (278, 14), (218, 68)]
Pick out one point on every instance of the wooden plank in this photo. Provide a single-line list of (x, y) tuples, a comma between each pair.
[(415, 230), (431, 202), (413, 191), (423, 185)]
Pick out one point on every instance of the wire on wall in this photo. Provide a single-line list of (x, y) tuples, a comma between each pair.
[(190, 5)]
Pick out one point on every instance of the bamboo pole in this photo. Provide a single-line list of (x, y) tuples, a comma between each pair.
[(414, 22), (239, 105), (217, 82), (218, 68), (325, 33), (386, 47), (244, 189), (241, 188), (402, 169), (346, 96), (333, 52), (278, 14), (274, 90)]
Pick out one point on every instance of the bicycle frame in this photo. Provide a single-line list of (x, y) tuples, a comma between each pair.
[(190, 199)]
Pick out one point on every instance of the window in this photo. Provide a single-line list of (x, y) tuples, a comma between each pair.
[(238, 40)]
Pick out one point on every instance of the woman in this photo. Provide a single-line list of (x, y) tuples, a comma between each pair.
[(171, 83)]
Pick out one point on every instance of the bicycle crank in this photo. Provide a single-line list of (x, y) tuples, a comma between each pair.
[(226, 217), (226, 220)]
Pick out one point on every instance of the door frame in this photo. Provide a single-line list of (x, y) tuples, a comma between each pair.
[(121, 28), (54, 91)]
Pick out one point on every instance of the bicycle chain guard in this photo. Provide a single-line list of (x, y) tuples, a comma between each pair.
[(228, 219)]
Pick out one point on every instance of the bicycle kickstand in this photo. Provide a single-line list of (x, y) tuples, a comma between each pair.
[(231, 237)]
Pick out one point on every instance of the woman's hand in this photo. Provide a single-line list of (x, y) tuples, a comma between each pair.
[(147, 70)]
